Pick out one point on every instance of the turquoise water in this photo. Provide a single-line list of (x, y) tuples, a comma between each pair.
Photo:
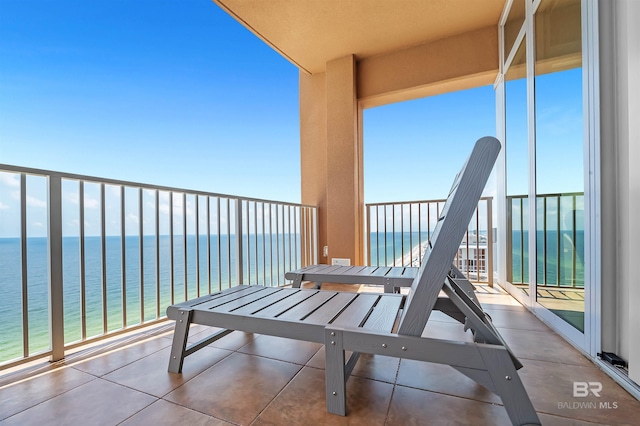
[(564, 265), (124, 287), (399, 246)]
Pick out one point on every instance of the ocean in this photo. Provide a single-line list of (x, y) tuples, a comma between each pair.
[(395, 250), (564, 263), (268, 261)]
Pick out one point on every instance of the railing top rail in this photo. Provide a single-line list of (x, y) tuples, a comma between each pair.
[(562, 194), (391, 203), (73, 176)]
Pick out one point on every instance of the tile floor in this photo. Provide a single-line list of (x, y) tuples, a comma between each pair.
[(262, 380)]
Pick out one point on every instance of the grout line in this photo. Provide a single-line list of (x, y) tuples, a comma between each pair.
[(278, 394)]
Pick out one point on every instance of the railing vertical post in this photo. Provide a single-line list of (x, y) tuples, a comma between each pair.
[(103, 258), (239, 260), (83, 264), (123, 256), (141, 252), (185, 265), (304, 229), (24, 265), (575, 245), (368, 216), (56, 307), (197, 204), (490, 241), (171, 265), (558, 231), (315, 235), (157, 223)]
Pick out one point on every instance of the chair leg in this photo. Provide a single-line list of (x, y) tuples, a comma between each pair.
[(179, 345), (336, 390), (297, 281), (509, 386)]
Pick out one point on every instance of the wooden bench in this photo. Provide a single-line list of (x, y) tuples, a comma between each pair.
[(385, 324)]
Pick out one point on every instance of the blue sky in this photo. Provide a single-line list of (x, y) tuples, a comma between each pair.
[(177, 93), (174, 93)]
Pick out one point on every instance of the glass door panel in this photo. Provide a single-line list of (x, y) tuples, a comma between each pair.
[(559, 161), (517, 174)]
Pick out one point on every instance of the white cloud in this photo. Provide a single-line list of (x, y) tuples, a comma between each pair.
[(72, 197), (10, 180), (3, 206), (113, 190), (91, 203), (164, 208), (132, 218), (35, 202)]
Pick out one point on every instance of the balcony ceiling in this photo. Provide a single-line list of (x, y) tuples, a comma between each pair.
[(309, 33)]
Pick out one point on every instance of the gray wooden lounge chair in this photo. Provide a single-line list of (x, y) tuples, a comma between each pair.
[(391, 277), (369, 322)]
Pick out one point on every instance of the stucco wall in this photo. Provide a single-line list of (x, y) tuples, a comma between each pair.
[(331, 121), (455, 63)]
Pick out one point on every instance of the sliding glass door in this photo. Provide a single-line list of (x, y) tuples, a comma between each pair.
[(559, 160), (544, 174)]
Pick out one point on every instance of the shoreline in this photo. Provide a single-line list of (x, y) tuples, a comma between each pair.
[(417, 253)]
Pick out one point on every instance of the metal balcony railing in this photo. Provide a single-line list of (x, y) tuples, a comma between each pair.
[(559, 240), (397, 234), (84, 258)]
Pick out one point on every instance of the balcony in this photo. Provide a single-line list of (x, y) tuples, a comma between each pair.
[(253, 379), (110, 360)]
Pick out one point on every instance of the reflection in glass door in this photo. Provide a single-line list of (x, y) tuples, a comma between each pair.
[(517, 174), (559, 160)]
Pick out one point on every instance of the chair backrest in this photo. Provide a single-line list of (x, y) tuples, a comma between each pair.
[(447, 235)]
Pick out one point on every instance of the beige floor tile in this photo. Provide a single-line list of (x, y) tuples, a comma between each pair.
[(499, 301), (442, 379), (543, 346), (418, 407), (442, 317), (194, 329), (237, 388), (303, 402), (521, 320), (549, 420), (232, 341), (375, 367), (447, 331), (98, 402), (550, 387), (29, 392), (166, 413), (289, 350), (150, 374), (105, 362), (318, 360)]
